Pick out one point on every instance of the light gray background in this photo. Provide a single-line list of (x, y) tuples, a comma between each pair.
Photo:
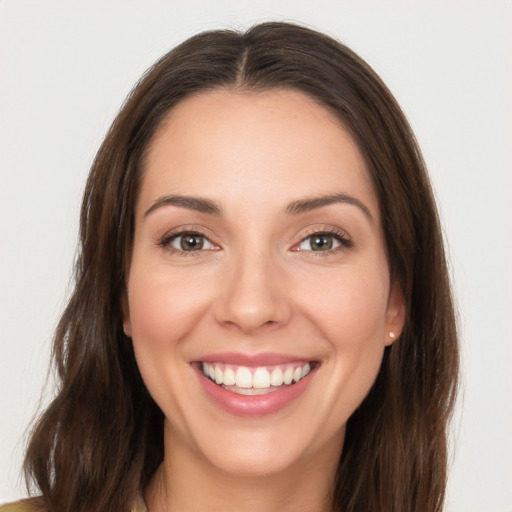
[(67, 66)]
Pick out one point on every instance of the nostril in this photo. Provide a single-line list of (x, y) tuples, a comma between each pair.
[(253, 296)]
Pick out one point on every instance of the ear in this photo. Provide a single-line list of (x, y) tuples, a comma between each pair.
[(125, 308), (395, 313)]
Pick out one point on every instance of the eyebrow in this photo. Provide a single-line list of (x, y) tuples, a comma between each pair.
[(192, 203), (297, 207), (308, 204)]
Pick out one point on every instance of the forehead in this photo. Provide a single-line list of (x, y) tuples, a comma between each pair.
[(268, 145)]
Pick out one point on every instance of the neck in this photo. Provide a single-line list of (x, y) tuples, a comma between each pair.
[(186, 482)]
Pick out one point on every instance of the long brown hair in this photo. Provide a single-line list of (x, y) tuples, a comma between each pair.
[(101, 438)]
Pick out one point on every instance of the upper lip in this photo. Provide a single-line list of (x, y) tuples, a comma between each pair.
[(244, 359)]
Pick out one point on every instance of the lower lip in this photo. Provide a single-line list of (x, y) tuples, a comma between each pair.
[(254, 405)]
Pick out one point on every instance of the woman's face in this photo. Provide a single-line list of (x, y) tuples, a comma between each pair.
[(258, 259)]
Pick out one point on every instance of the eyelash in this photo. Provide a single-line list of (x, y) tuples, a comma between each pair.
[(168, 238), (339, 236)]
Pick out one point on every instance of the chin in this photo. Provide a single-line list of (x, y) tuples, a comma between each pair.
[(266, 448), (256, 461)]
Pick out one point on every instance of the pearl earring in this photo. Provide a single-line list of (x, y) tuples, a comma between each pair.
[(392, 335)]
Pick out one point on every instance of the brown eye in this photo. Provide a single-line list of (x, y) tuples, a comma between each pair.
[(323, 242), (191, 242), (188, 242)]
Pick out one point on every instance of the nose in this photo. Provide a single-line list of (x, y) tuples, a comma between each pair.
[(253, 294)]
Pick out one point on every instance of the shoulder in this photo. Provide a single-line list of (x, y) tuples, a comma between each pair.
[(29, 505), (38, 505)]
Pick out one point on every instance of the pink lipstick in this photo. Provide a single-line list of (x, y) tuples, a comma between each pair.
[(254, 385)]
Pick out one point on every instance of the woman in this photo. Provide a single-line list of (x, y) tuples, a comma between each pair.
[(262, 316)]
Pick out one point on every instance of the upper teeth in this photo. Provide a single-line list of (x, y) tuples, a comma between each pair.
[(258, 378)]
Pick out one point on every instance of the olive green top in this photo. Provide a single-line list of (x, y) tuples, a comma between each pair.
[(36, 505)]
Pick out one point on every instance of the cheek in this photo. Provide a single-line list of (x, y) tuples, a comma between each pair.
[(351, 316), (163, 307), (351, 309)]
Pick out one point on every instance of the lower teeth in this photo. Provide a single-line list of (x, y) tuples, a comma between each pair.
[(251, 391)]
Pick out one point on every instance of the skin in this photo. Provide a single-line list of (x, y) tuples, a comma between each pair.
[(256, 286)]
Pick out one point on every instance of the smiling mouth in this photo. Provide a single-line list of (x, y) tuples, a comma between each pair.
[(260, 380)]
